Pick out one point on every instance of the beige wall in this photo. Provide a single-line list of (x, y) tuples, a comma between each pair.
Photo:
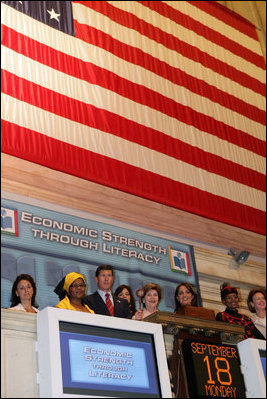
[(18, 356)]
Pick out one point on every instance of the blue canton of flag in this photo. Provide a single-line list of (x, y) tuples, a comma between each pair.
[(57, 14)]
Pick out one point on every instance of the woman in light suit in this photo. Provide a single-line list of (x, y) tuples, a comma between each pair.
[(23, 294)]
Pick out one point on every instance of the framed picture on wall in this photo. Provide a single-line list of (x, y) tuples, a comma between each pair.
[(180, 261)]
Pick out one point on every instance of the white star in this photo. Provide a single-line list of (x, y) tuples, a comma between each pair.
[(53, 14)]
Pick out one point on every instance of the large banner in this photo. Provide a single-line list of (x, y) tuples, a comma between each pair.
[(48, 244), (160, 99)]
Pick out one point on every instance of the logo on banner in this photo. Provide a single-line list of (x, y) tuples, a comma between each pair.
[(9, 221), (179, 261)]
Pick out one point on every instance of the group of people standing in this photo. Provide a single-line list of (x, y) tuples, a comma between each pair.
[(71, 291)]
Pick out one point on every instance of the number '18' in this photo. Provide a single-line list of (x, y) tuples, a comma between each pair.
[(220, 371)]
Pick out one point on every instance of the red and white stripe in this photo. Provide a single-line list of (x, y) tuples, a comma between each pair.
[(165, 100)]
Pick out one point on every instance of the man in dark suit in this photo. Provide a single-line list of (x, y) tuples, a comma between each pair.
[(102, 301)]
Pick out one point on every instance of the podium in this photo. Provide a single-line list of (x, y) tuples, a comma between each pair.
[(191, 324)]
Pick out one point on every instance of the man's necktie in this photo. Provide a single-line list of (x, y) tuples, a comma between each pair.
[(109, 305)]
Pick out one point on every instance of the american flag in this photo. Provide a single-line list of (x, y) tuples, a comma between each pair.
[(161, 99)]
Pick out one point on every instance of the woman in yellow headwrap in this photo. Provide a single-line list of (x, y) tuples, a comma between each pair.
[(74, 290)]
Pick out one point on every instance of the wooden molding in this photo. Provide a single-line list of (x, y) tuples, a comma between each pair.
[(35, 181)]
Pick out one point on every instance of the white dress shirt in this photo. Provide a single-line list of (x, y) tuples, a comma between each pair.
[(21, 307)]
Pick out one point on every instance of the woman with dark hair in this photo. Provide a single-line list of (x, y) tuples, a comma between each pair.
[(151, 296), (257, 305), (229, 296), (71, 291), (185, 295), (23, 294), (125, 292)]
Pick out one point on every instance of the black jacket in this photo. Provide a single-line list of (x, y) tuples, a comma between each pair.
[(96, 303), (234, 317)]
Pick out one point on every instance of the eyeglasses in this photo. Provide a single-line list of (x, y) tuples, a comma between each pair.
[(78, 285)]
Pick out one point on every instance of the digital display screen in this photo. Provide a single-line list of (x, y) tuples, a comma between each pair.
[(212, 370), (263, 360), (109, 362)]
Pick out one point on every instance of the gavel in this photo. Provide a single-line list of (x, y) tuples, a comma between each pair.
[(140, 293)]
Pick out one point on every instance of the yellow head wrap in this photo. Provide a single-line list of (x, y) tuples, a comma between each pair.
[(70, 278)]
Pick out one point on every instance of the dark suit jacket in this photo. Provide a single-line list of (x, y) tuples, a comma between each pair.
[(96, 303)]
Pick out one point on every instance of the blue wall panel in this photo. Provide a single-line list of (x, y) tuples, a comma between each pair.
[(49, 244)]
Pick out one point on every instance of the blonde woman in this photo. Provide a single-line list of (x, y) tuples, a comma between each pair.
[(257, 305)]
